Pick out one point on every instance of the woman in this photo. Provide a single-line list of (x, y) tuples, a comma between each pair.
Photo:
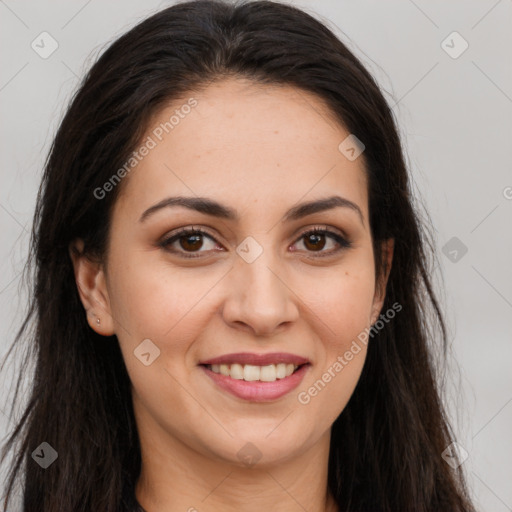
[(232, 302)]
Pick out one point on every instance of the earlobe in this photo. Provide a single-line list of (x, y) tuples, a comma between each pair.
[(387, 248), (92, 289)]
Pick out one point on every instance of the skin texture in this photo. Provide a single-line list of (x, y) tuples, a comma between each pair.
[(259, 150)]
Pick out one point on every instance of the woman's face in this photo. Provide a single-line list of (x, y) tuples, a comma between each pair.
[(254, 283)]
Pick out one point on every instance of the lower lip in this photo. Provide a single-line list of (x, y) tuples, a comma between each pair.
[(258, 391)]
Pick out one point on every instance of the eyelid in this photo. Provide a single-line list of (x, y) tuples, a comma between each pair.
[(339, 237), (323, 228), (178, 233)]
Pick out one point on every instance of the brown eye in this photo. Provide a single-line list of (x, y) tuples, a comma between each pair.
[(315, 241), (189, 243)]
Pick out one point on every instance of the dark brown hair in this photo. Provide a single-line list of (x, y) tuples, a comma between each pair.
[(386, 445)]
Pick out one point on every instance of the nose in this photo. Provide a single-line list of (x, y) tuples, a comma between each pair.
[(259, 298)]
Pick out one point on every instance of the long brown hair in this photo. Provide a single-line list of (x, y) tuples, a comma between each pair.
[(387, 443)]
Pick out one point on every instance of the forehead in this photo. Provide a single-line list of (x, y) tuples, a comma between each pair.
[(239, 141)]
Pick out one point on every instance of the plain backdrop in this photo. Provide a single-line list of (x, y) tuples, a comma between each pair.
[(452, 97)]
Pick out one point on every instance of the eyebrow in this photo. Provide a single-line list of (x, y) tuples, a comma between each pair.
[(215, 209)]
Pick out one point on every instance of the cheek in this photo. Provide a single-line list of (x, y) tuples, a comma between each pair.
[(343, 302), (343, 318), (153, 300)]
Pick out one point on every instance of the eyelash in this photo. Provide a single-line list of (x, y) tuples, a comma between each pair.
[(342, 242)]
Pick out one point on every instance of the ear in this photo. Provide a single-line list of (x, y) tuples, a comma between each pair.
[(387, 247), (92, 288)]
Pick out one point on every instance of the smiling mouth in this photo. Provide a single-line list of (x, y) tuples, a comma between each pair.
[(252, 373)]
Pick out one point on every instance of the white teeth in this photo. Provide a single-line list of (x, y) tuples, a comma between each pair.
[(250, 373), (280, 371), (236, 371), (268, 373)]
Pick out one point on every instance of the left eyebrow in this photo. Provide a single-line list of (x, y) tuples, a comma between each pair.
[(213, 208), (320, 205)]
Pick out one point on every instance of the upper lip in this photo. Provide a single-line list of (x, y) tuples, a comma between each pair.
[(257, 359)]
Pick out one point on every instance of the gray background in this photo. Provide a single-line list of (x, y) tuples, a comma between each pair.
[(455, 117)]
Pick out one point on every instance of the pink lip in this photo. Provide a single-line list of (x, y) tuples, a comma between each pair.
[(257, 391), (257, 359)]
